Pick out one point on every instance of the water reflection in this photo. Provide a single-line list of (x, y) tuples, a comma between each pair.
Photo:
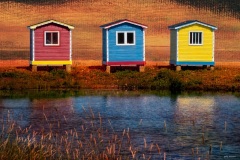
[(54, 111), (184, 126), (194, 111), (192, 117), (16, 109)]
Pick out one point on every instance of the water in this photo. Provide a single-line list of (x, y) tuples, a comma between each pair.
[(185, 126)]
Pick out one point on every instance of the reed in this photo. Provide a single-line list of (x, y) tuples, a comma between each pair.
[(90, 141), (220, 145), (94, 138), (165, 126), (203, 139), (225, 126)]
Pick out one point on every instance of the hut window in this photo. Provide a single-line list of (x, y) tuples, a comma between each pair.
[(130, 38), (125, 38), (120, 38), (51, 38), (195, 38)]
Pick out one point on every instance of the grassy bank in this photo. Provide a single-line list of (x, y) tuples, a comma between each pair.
[(154, 78)]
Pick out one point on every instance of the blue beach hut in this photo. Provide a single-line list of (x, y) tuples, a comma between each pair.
[(123, 44)]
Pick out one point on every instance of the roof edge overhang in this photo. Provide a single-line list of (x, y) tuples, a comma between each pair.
[(175, 27), (109, 25), (48, 22)]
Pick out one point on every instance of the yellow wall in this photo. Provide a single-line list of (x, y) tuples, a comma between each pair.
[(195, 53)]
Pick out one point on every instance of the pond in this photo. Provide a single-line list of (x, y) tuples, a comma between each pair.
[(180, 126)]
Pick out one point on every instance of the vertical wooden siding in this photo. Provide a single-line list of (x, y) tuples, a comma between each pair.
[(60, 52), (31, 45), (104, 45), (173, 46), (123, 53), (195, 53)]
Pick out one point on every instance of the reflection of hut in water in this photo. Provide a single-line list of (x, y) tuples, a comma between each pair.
[(192, 109), (192, 117), (52, 111)]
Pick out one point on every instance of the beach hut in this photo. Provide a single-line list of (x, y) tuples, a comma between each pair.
[(192, 44), (123, 44), (50, 44)]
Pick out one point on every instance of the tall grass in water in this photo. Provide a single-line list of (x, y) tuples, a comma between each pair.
[(91, 140)]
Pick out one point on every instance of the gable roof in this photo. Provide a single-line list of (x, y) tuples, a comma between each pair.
[(48, 22), (118, 22), (191, 22)]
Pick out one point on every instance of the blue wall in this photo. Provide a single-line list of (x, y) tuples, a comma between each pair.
[(123, 53)]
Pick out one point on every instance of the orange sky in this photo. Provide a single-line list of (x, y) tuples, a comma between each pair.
[(87, 17)]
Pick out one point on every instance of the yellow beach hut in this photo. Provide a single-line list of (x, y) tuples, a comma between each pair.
[(192, 44)]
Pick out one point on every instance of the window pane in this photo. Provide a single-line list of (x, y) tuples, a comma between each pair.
[(48, 38), (200, 37), (194, 37), (120, 38), (197, 33), (54, 38), (191, 37), (130, 38)]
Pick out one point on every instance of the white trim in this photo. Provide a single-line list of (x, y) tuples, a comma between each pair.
[(70, 35), (188, 24), (213, 47), (45, 32), (125, 38), (144, 45), (197, 44), (33, 45), (125, 21), (48, 22), (107, 48)]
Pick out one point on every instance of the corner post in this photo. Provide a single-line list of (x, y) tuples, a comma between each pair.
[(34, 68), (108, 69), (68, 68), (211, 68), (141, 68), (178, 68)]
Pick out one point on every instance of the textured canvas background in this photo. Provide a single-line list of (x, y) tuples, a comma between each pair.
[(87, 15)]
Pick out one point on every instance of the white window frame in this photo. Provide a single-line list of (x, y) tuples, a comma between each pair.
[(125, 38), (196, 44), (45, 36)]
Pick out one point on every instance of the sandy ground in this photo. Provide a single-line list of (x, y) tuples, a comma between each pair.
[(76, 63)]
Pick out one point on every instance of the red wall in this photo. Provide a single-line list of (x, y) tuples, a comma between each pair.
[(60, 52)]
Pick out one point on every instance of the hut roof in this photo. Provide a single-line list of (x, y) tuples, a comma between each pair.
[(118, 22), (191, 22), (48, 22)]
